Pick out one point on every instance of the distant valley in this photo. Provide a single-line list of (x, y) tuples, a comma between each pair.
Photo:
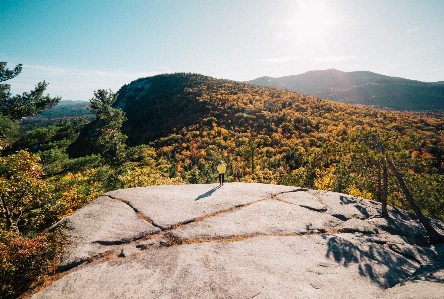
[(64, 110), (365, 88)]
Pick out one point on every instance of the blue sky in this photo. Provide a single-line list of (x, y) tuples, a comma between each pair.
[(79, 46)]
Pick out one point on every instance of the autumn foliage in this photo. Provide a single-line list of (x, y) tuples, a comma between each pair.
[(175, 128), (26, 261), (276, 136)]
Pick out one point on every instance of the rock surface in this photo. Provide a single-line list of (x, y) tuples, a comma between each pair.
[(244, 241)]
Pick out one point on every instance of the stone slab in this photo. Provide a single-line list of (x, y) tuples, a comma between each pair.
[(263, 267), (243, 241), (267, 217), (170, 205), (103, 221), (303, 199), (346, 206), (398, 226), (358, 225)]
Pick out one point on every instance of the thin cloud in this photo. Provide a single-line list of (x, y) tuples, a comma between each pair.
[(86, 73), (278, 59), (75, 84), (324, 59), (413, 30), (120, 74), (59, 70)]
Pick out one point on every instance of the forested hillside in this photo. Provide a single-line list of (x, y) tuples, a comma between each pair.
[(276, 136), (364, 88)]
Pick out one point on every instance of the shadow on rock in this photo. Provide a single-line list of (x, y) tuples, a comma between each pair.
[(379, 263), (432, 272), (208, 193)]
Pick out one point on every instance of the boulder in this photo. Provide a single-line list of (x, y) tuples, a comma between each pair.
[(243, 241)]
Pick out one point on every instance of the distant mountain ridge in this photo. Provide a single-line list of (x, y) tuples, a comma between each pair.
[(363, 87)]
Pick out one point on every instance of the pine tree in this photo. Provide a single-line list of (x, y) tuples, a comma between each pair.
[(108, 137), (15, 108)]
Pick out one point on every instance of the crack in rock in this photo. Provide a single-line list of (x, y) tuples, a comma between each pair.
[(291, 191), (318, 197), (140, 214), (395, 248), (74, 264), (123, 241), (182, 241), (85, 260), (341, 217), (321, 210)]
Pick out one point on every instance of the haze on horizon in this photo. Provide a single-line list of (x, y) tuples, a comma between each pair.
[(81, 46)]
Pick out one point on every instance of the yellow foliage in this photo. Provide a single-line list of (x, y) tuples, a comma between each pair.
[(223, 132), (145, 176), (78, 189), (354, 191), (265, 176), (324, 180)]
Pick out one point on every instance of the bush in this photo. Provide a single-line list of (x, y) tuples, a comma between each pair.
[(25, 261)]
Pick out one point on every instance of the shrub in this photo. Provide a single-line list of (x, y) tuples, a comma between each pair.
[(25, 261)]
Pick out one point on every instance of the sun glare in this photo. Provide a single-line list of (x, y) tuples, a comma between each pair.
[(311, 22)]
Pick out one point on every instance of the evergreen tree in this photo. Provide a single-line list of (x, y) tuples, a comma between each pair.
[(108, 138), (14, 108)]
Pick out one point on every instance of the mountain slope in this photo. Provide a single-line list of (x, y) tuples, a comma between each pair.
[(365, 88), (277, 136)]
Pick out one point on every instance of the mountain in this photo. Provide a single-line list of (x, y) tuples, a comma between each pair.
[(364, 88)]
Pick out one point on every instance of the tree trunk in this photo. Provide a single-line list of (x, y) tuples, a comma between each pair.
[(384, 190), (7, 215), (379, 182), (424, 221), (434, 235)]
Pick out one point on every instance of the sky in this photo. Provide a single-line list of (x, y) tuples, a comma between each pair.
[(79, 46)]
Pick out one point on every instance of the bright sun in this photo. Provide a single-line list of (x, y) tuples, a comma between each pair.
[(311, 22)]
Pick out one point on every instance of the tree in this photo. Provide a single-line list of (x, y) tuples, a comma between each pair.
[(29, 103), (249, 152), (108, 138), (6, 74), (8, 131), (14, 108)]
